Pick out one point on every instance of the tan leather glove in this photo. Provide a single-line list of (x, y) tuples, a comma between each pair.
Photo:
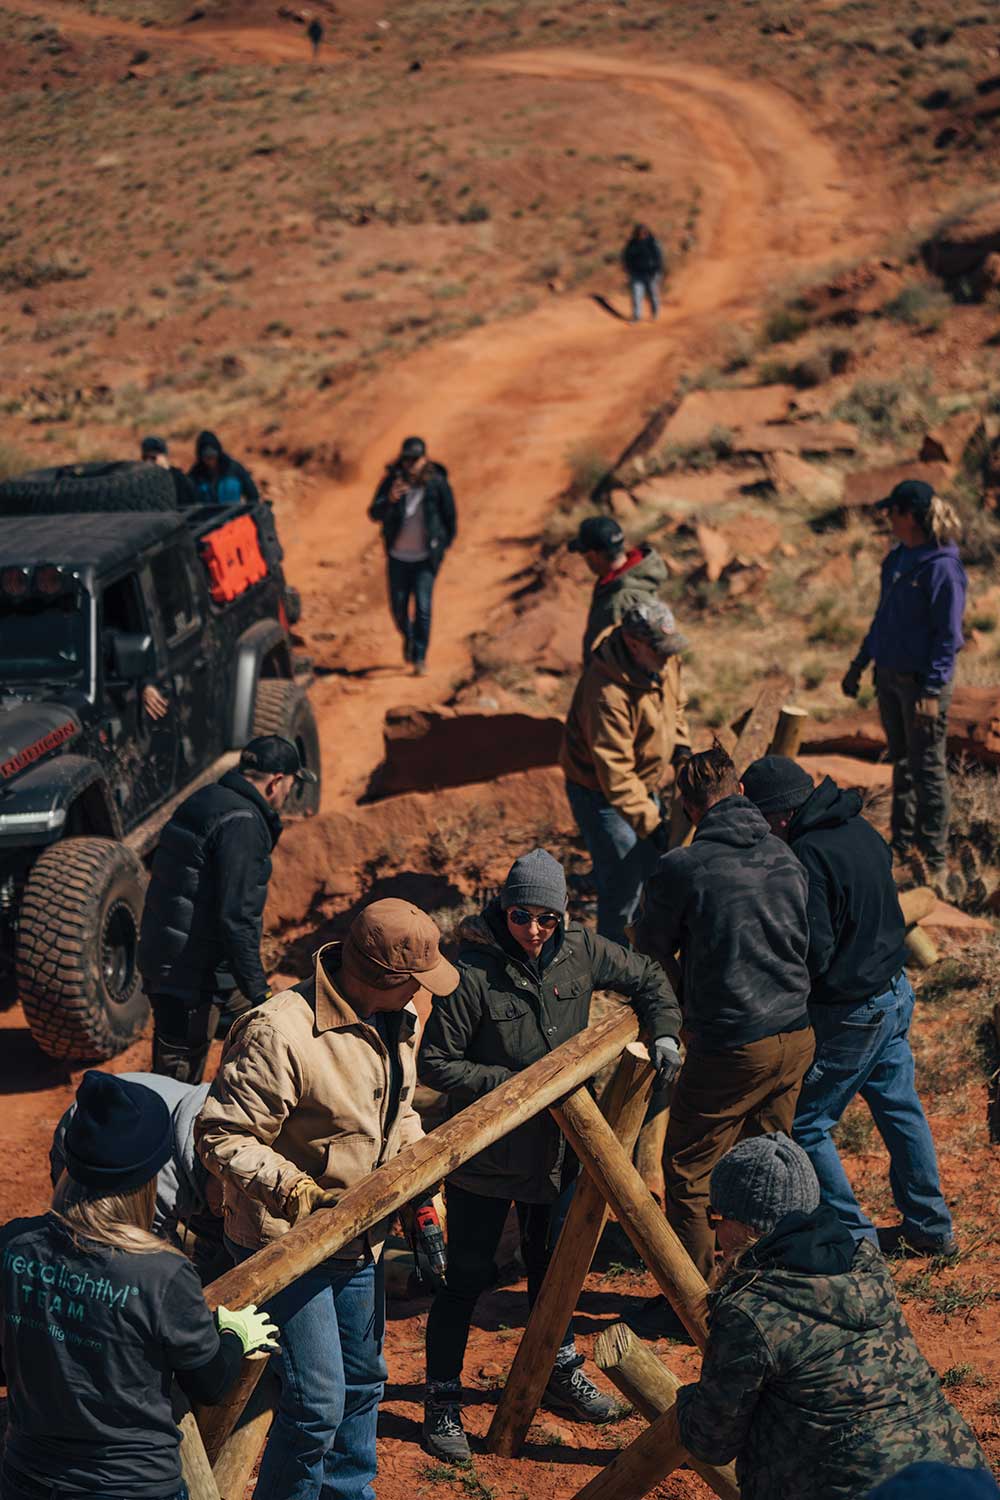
[(306, 1196)]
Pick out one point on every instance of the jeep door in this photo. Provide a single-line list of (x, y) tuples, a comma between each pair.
[(142, 750), (186, 635)]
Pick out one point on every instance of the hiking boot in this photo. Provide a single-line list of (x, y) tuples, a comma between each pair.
[(656, 1319), (572, 1395), (442, 1434), (904, 1241)]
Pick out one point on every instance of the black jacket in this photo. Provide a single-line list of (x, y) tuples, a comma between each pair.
[(229, 485), (201, 924), (734, 903), (507, 1013), (856, 928), (643, 257), (439, 511)]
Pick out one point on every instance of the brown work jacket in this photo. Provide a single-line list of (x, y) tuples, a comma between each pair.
[(622, 730), (303, 1091)]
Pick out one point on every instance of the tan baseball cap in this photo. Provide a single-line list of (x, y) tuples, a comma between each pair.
[(402, 942)]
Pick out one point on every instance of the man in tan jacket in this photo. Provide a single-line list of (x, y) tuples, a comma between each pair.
[(626, 729), (315, 1090)]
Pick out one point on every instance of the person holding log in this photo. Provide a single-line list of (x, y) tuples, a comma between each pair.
[(98, 1316), (625, 735), (861, 1003), (315, 1090), (734, 905), (811, 1378), (914, 640), (527, 981)]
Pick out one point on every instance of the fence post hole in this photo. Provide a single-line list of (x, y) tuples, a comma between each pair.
[(652, 1388), (594, 1142), (217, 1422), (624, 1106)]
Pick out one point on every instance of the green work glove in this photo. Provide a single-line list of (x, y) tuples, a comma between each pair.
[(253, 1329)]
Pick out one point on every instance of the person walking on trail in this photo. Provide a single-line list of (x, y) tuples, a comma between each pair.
[(314, 1092), (734, 905), (914, 640), (416, 510), (199, 940), (811, 1378), (625, 732), (314, 31), (98, 1316), (643, 261), (527, 980), (217, 478), (861, 1002), (623, 575)]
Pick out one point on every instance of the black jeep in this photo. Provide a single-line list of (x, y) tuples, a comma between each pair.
[(111, 598)]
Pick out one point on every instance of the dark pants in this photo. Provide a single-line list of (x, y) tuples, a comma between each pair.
[(412, 580), (921, 795), (183, 1031), (475, 1226), (622, 860), (17, 1486), (718, 1098)]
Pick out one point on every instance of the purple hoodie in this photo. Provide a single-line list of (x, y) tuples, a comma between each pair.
[(918, 624)]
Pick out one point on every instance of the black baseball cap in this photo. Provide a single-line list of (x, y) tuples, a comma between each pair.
[(913, 497), (274, 756), (412, 449), (154, 445), (598, 534)]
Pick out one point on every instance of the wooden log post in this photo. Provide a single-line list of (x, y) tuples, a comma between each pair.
[(921, 948), (196, 1470), (652, 1389), (757, 732), (594, 1142), (789, 731), (916, 904), (650, 1146), (646, 1461), (217, 1422), (235, 1464), (623, 1106)]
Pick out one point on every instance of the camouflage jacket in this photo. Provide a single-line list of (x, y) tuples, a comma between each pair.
[(814, 1382)]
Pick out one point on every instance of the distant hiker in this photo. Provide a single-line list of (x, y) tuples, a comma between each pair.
[(154, 451), (416, 509), (625, 730), (98, 1317), (199, 942), (914, 638), (218, 479), (528, 977), (644, 266), (811, 1378), (861, 1002), (734, 905), (314, 31), (314, 1091), (624, 575)]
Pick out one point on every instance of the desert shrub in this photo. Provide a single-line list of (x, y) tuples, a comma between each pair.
[(783, 324), (831, 624), (919, 306), (889, 410)]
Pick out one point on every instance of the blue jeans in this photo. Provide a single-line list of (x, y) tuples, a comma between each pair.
[(17, 1486), (642, 287), (412, 580), (864, 1048), (332, 1373), (622, 860)]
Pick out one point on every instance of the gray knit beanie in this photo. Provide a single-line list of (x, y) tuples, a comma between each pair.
[(536, 879), (762, 1179)]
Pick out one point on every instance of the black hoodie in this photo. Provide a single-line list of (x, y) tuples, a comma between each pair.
[(734, 903), (856, 927), (230, 484)]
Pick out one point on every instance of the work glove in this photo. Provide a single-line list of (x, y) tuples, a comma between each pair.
[(306, 1196), (926, 711), (851, 682), (253, 1329), (666, 1059)]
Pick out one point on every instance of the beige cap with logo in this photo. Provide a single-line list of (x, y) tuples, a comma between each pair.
[(399, 941)]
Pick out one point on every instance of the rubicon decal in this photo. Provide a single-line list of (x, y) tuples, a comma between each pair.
[(31, 753)]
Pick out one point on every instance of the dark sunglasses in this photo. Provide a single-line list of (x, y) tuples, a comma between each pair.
[(522, 918)]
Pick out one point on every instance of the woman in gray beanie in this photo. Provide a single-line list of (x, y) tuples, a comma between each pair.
[(527, 981), (811, 1378)]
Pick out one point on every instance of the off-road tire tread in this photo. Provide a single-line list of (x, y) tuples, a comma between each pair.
[(77, 488), (283, 707)]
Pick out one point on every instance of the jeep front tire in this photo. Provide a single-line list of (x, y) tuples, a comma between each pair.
[(78, 939)]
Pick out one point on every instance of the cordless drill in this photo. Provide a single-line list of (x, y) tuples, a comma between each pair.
[(426, 1237)]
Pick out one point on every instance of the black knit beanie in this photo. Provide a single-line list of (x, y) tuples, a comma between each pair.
[(776, 784), (120, 1135)]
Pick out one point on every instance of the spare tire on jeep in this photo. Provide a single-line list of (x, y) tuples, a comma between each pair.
[(74, 488), (282, 707), (78, 937)]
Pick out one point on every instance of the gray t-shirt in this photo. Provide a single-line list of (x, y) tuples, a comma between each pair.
[(411, 539)]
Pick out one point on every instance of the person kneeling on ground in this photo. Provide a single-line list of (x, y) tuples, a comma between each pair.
[(811, 1378), (316, 1090), (97, 1316), (527, 981)]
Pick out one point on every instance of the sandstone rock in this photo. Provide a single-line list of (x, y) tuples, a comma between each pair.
[(793, 475), (796, 437), (866, 775), (947, 442), (439, 747), (868, 486), (751, 536), (973, 729), (836, 574), (961, 246), (715, 550), (700, 411), (547, 634), (678, 494)]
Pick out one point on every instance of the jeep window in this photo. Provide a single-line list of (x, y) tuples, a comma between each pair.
[(174, 595), (43, 640), (121, 612)]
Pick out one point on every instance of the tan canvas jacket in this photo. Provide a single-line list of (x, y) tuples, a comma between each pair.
[(622, 730), (303, 1091)]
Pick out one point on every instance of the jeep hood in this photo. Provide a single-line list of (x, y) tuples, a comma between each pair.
[(30, 732)]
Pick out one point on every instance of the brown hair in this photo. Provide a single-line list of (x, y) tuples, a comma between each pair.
[(707, 777), (119, 1220)]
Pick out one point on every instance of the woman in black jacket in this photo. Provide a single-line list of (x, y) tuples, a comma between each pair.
[(97, 1317), (526, 987)]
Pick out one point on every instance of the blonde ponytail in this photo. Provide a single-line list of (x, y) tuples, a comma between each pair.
[(943, 522)]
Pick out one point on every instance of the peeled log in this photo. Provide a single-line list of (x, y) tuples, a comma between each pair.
[(921, 948), (789, 731)]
